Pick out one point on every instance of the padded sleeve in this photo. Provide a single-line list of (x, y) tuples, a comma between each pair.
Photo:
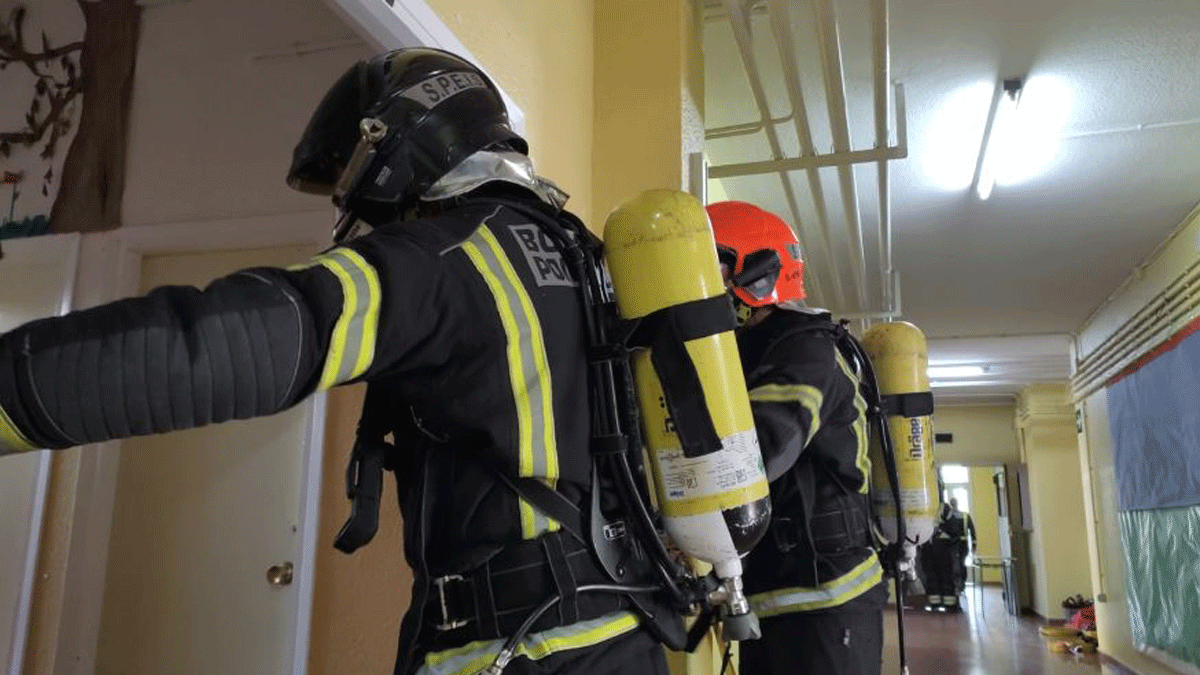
[(179, 357)]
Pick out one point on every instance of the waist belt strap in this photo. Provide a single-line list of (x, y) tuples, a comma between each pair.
[(493, 600), (831, 532)]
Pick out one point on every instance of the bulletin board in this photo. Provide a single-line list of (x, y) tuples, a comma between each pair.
[(1155, 423)]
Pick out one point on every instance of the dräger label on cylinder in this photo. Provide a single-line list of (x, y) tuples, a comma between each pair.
[(916, 438), (914, 499), (738, 465)]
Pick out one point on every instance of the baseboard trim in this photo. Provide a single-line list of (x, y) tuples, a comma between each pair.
[(1121, 668)]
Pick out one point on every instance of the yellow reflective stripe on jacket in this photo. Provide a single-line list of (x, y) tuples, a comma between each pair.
[(862, 459), (352, 344), (473, 657), (806, 395), (832, 593), (11, 438), (529, 371)]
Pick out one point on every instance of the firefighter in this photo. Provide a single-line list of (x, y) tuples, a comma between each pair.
[(446, 294), (815, 581), (953, 539)]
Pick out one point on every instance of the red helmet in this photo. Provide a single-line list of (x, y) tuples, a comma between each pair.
[(762, 253)]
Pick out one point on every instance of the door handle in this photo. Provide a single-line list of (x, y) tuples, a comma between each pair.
[(280, 575)]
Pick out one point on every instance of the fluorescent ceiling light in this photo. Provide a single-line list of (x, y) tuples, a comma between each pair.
[(956, 371), (949, 151), (942, 384), (998, 137)]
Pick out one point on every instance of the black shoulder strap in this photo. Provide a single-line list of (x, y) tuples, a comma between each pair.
[(666, 333), (364, 474), (549, 501)]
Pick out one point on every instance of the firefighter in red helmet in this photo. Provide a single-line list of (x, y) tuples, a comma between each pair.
[(816, 580)]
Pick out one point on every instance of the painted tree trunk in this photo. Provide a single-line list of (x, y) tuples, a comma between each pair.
[(93, 177)]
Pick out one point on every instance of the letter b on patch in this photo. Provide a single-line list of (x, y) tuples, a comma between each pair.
[(541, 252)]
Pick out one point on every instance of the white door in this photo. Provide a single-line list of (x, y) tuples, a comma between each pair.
[(199, 518), (36, 277)]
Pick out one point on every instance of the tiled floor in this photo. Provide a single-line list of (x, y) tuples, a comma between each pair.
[(981, 641)]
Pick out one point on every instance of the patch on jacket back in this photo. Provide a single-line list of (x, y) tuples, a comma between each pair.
[(545, 260)]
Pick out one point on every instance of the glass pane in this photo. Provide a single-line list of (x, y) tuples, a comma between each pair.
[(963, 497), (955, 473)]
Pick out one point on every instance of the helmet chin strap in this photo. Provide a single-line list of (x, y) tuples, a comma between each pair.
[(348, 226), (742, 312)]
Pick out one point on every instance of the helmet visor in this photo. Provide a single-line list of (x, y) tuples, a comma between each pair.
[(760, 271), (332, 134)]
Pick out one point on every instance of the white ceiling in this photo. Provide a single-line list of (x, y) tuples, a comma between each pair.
[(1039, 255)]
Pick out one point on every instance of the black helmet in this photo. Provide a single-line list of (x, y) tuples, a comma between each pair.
[(393, 125)]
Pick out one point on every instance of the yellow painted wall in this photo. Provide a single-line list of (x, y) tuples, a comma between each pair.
[(357, 599), (1059, 540), (648, 111), (982, 434), (1096, 452), (985, 513), (648, 82), (540, 52)]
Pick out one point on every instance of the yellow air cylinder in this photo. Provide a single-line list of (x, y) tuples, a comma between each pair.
[(898, 353), (660, 253)]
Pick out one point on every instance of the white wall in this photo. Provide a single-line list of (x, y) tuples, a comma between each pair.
[(222, 92)]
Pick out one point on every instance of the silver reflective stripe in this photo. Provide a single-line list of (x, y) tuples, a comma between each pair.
[(830, 594), (862, 460), (806, 395), (475, 656), (433, 90), (352, 344), (529, 369)]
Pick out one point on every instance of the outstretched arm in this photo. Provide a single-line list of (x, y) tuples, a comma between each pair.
[(250, 344)]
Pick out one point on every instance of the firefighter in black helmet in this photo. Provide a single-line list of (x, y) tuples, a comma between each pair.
[(445, 293)]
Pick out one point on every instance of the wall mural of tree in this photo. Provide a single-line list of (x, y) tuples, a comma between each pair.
[(53, 83)]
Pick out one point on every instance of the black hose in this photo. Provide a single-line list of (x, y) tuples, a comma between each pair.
[(510, 645), (663, 562), (727, 657)]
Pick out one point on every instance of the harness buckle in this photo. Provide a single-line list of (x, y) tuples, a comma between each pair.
[(782, 530), (447, 623)]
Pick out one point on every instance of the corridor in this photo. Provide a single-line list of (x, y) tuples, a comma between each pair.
[(984, 640)]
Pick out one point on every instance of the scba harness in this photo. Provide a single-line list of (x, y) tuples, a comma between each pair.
[(852, 522), (608, 555)]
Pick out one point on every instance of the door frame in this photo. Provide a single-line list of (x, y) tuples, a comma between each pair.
[(111, 269), (41, 487), (389, 24)]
